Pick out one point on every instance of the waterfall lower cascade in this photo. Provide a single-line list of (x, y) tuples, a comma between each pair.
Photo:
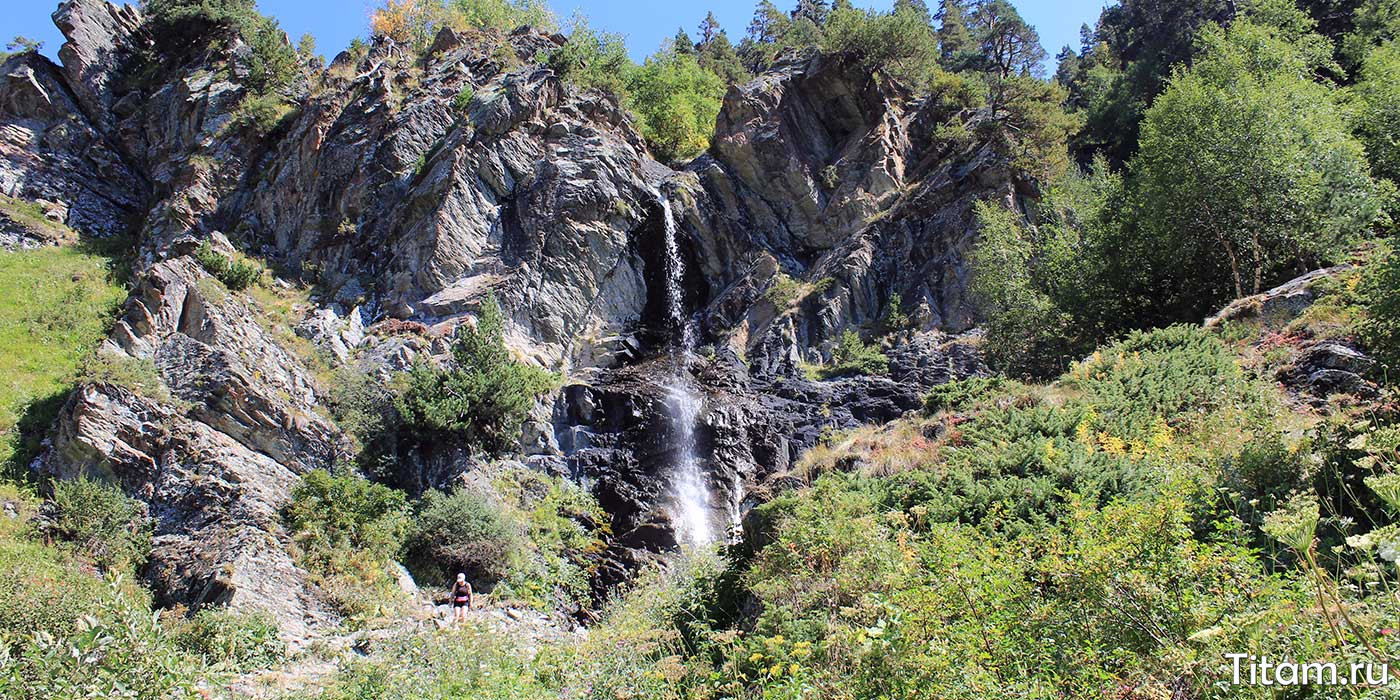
[(690, 512)]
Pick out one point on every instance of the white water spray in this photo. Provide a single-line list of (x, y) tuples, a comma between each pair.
[(691, 508)]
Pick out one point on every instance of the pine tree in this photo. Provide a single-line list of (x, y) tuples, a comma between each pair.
[(767, 24), (682, 42), (954, 39), (919, 7), (814, 11), (709, 27)]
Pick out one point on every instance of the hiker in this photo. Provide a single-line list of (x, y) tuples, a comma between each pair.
[(461, 598)]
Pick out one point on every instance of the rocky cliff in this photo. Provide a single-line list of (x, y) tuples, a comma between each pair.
[(409, 188)]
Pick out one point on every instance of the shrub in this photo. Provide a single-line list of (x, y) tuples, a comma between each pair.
[(182, 26), (41, 590), (236, 640), (852, 357), (962, 394), (261, 113), (676, 101), (102, 521), (234, 274), (416, 22), (463, 99), (481, 399), (592, 59), (118, 648), (138, 375), (462, 531), (564, 525), (345, 531), (1380, 289)]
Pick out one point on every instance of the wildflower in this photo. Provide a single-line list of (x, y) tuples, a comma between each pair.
[(755, 657), (776, 671), (1295, 523), (1386, 631), (792, 669), (1389, 550)]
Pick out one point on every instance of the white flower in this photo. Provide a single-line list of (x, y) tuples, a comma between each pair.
[(1389, 550)]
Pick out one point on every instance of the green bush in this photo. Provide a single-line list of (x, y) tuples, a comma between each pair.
[(962, 394), (41, 590), (102, 521), (564, 526), (346, 530), (676, 102), (234, 274), (592, 59), (462, 531), (261, 114), (118, 648), (463, 99), (236, 640), (481, 399), (138, 375), (852, 357), (1380, 330)]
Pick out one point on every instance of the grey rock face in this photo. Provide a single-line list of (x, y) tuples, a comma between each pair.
[(219, 538), (51, 151), (215, 454)]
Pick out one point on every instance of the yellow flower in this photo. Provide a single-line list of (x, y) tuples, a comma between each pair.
[(776, 671), (792, 668), (755, 657)]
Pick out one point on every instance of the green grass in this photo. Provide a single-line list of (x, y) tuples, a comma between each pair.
[(55, 306)]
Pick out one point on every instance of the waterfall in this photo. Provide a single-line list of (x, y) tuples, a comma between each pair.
[(690, 510)]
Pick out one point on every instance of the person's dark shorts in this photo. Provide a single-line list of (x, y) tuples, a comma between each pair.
[(459, 603)]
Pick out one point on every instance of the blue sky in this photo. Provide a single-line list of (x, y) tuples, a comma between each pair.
[(645, 24)]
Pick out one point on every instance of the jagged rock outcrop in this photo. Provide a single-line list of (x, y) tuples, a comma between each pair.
[(408, 189), (51, 151), (206, 419)]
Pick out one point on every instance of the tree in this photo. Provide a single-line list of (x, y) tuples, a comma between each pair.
[(22, 43), (1375, 22), (1066, 66), (677, 102), (1375, 113), (918, 7), (1006, 44), (1043, 284), (682, 42), (719, 57), (954, 40), (1246, 174), (482, 398), (899, 43), (814, 11), (709, 28)]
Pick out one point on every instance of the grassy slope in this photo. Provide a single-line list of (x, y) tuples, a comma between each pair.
[(55, 306)]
